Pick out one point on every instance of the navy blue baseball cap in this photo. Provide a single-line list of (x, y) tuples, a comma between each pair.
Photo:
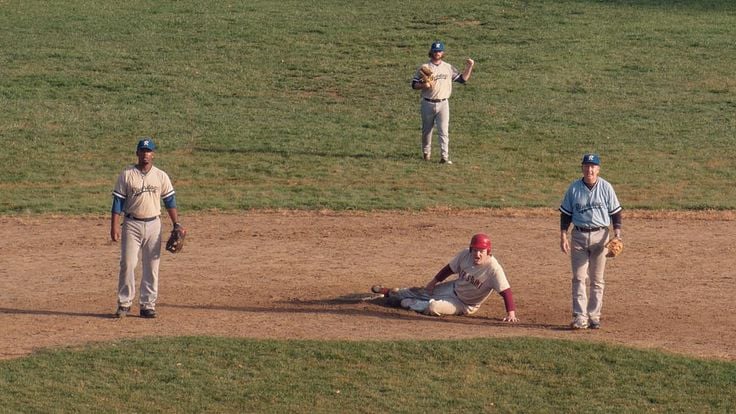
[(437, 46), (591, 159), (146, 143)]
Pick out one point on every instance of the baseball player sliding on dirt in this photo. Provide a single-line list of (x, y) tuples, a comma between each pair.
[(479, 274)]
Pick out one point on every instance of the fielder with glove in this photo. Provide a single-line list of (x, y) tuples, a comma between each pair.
[(137, 195), (434, 79), (591, 205), (479, 275)]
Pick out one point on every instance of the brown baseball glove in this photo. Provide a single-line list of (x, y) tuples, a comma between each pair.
[(426, 74), (176, 240), (615, 246)]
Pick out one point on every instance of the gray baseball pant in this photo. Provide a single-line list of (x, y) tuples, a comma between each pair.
[(436, 114), (588, 259), (144, 238), (442, 301)]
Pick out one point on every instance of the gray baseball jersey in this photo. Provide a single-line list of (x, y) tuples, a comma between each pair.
[(590, 207)]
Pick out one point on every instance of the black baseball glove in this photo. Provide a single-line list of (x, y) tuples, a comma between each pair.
[(176, 240)]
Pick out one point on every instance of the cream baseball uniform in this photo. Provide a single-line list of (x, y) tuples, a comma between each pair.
[(464, 295), (435, 106), (142, 194)]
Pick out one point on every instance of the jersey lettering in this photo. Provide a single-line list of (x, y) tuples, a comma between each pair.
[(463, 275), (144, 189), (590, 206)]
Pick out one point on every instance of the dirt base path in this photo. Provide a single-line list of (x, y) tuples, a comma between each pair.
[(307, 275)]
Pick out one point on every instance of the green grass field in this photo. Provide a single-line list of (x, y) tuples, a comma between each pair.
[(307, 105), (194, 375)]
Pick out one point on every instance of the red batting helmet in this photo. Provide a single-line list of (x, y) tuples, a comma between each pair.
[(480, 241)]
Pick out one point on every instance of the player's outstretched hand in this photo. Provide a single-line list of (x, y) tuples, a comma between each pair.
[(511, 317)]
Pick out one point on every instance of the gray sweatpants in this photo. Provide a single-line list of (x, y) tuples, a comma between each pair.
[(442, 301), (436, 114), (144, 238)]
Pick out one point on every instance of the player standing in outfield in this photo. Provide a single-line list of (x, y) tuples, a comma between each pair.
[(435, 107), (479, 274), (591, 205), (137, 195)]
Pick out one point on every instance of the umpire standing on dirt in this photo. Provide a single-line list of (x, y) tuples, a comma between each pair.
[(137, 195), (435, 107), (591, 205)]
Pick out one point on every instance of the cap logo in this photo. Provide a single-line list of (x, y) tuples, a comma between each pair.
[(591, 157)]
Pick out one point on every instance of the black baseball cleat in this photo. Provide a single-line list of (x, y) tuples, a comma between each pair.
[(148, 313), (122, 311), (594, 325)]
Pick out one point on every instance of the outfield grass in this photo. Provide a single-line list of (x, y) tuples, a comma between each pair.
[(193, 375), (300, 105)]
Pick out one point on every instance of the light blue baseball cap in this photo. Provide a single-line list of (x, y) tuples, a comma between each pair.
[(437, 46), (146, 143), (591, 159)]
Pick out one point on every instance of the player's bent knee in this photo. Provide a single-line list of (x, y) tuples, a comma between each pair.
[(443, 307), (432, 311), (436, 308)]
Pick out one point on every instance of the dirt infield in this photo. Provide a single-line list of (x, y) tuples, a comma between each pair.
[(307, 275)]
